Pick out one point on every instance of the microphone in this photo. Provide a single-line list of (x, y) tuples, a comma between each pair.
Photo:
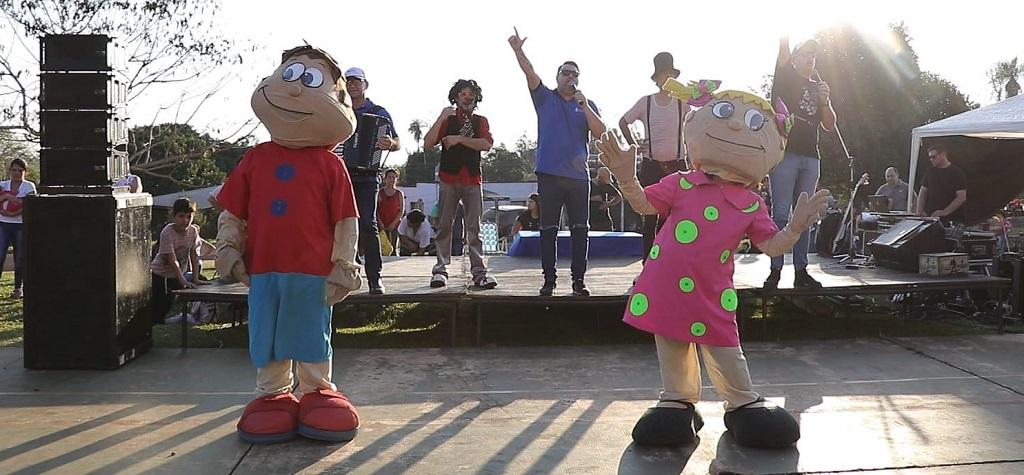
[(573, 86)]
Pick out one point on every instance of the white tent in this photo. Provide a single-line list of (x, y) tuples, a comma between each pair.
[(1002, 120)]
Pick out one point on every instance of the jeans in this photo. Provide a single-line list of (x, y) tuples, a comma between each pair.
[(556, 192), (796, 174), (10, 235), (369, 241), (471, 197)]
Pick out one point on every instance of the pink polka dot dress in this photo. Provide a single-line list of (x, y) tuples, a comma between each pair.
[(685, 291)]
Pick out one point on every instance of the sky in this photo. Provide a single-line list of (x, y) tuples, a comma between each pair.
[(413, 52)]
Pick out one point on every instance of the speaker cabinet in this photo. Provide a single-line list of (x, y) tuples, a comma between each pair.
[(81, 91), (87, 281), (78, 53), (82, 129), (901, 245), (62, 167)]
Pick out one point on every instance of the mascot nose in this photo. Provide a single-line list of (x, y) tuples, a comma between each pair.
[(735, 124), (294, 90)]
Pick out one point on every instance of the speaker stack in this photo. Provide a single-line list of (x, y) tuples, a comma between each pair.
[(87, 243)]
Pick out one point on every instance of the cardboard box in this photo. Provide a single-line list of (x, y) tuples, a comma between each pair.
[(943, 264)]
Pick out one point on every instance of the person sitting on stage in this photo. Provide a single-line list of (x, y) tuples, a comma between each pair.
[(289, 230), (944, 189), (463, 136), (365, 182), (685, 294), (529, 219), (414, 235), (894, 189)]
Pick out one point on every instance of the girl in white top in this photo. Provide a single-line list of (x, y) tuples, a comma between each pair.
[(12, 195)]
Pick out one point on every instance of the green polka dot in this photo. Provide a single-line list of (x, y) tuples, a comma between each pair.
[(655, 251), (724, 257), (686, 284), (729, 300), (698, 329), (638, 304), (711, 213), (686, 231), (753, 207), (684, 184)]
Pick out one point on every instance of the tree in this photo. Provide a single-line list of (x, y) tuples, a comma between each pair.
[(416, 129), (164, 42), (1003, 76), (205, 160), (502, 164), (880, 94)]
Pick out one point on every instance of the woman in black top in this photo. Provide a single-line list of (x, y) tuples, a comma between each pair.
[(603, 195), (529, 219)]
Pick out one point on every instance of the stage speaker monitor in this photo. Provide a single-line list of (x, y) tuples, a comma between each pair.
[(87, 280), (79, 53), (901, 245)]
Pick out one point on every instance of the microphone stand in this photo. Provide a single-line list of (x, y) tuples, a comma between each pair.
[(852, 254)]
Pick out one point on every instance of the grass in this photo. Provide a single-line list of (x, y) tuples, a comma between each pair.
[(418, 325)]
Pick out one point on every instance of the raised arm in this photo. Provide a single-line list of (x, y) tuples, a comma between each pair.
[(532, 79), (784, 54)]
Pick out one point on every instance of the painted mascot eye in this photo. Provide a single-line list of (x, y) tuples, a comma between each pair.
[(723, 109), (754, 119), (292, 72), (312, 78)]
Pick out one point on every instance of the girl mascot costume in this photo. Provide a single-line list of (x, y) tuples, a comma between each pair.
[(684, 294)]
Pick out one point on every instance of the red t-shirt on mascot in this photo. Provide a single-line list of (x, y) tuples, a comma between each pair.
[(291, 200)]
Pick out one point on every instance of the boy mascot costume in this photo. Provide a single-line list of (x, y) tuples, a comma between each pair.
[(684, 294), (289, 232)]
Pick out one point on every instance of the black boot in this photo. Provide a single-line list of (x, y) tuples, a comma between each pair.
[(768, 427), (668, 425), (548, 288), (579, 289), (803, 279), (772, 282)]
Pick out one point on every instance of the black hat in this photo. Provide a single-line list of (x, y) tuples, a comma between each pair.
[(663, 62)]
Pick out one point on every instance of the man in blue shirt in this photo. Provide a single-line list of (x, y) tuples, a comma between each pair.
[(565, 121), (365, 182)]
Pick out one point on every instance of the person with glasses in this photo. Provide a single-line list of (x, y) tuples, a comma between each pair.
[(797, 83), (565, 121), (944, 190), (662, 118), (366, 183)]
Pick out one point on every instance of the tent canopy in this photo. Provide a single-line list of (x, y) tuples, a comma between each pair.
[(988, 144), (200, 196)]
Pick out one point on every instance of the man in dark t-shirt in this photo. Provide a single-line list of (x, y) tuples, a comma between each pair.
[(944, 190), (797, 84)]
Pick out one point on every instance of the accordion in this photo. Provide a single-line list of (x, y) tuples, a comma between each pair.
[(361, 155)]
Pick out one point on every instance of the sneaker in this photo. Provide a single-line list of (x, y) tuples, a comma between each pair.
[(579, 289), (16, 294), (772, 282), (803, 279), (439, 280), (485, 282), (377, 288), (548, 288)]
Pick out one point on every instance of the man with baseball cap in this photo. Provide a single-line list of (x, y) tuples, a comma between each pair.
[(662, 117), (806, 96), (365, 183)]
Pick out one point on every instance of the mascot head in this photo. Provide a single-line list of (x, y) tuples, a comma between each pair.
[(299, 103), (734, 135)]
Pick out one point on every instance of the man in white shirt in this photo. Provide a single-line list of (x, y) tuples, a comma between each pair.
[(414, 235), (662, 118)]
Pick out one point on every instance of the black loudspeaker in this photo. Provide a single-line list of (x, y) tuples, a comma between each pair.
[(1011, 266), (78, 53), (901, 245), (828, 227), (82, 129), (80, 91), (62, 167), (87, 280)]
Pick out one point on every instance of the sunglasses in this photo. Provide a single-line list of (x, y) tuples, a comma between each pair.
[(569, 72)]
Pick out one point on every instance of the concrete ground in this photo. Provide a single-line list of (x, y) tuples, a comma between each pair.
[(915, 406)]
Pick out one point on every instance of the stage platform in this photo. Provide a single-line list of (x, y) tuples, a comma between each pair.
[(916, 406), (407, 279)]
